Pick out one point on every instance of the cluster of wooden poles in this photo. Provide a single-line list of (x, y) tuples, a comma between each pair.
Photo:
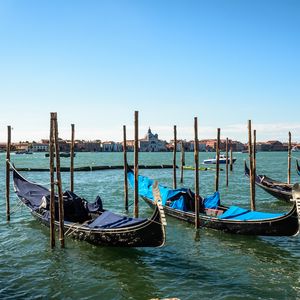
[(55, 168), (196, 165)]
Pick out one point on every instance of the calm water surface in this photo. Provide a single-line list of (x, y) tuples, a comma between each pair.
[(215, 265)]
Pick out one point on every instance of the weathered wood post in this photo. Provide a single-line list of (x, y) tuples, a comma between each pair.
[(252, 185), (8, 146), (59, 184), (217, 160), (136, 164), (254, 165), (227, 161), (174, 158), (72, 158), (196, 157), (182, 161), (125, 169), (289, 158), (254, 152), (231, 157), (52, 186)]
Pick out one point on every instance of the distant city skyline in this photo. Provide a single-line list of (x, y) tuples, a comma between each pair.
[(96, 62), (238, 132)]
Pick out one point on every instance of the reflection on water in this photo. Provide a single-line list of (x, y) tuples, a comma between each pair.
[(193, 264)]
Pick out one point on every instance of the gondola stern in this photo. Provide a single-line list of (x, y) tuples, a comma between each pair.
[(296, 199)]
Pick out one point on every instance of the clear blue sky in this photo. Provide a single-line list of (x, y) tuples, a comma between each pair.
[(95, 62)]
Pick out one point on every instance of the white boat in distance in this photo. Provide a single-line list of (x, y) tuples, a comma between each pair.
[(222, 160)]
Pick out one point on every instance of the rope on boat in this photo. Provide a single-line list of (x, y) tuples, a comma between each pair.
[(17, 207), (76, 228)]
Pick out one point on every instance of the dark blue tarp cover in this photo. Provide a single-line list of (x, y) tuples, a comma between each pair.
[(111, 220), (242, 214)]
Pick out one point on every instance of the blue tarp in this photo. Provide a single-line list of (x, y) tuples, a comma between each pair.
[(181, 199), (212, 201), (145, 189), (242, 214), (111, 220)]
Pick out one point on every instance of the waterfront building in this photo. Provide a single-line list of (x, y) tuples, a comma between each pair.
[(151, 143), (110, 146), (39, 147)]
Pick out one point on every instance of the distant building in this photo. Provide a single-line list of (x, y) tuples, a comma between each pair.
[(87, 146), (39, 147), (111, 146), (201, 146), (271, 146), (22, 146), (151, 143)]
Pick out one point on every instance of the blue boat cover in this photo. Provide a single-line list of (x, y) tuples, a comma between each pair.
[(181, 199), (212, 201), (242, 214), (111, 220)]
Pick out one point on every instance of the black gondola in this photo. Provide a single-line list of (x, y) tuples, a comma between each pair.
[(280, 190), (298, 167), (180, 204), (89, 221)]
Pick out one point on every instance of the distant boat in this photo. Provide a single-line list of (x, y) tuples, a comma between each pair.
[(222, 160), (62, 154), (24, 152), (295, 149)]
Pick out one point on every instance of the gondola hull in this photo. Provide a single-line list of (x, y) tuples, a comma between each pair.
[(279, 190), (286, 225), (148, 234), (129, 233)]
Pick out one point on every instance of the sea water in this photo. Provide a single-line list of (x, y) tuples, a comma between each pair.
[(213, 265)]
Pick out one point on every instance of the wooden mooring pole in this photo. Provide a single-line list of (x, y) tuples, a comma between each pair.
[(196, 157), (252, 178), (217, 160), (125, 168), (289, 158), (182, 161), (59, 184), (227, 161), (231, 157), (52, 186), (254, 165), (136, 164), (174, 158), (8, 146), (72, 158)]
